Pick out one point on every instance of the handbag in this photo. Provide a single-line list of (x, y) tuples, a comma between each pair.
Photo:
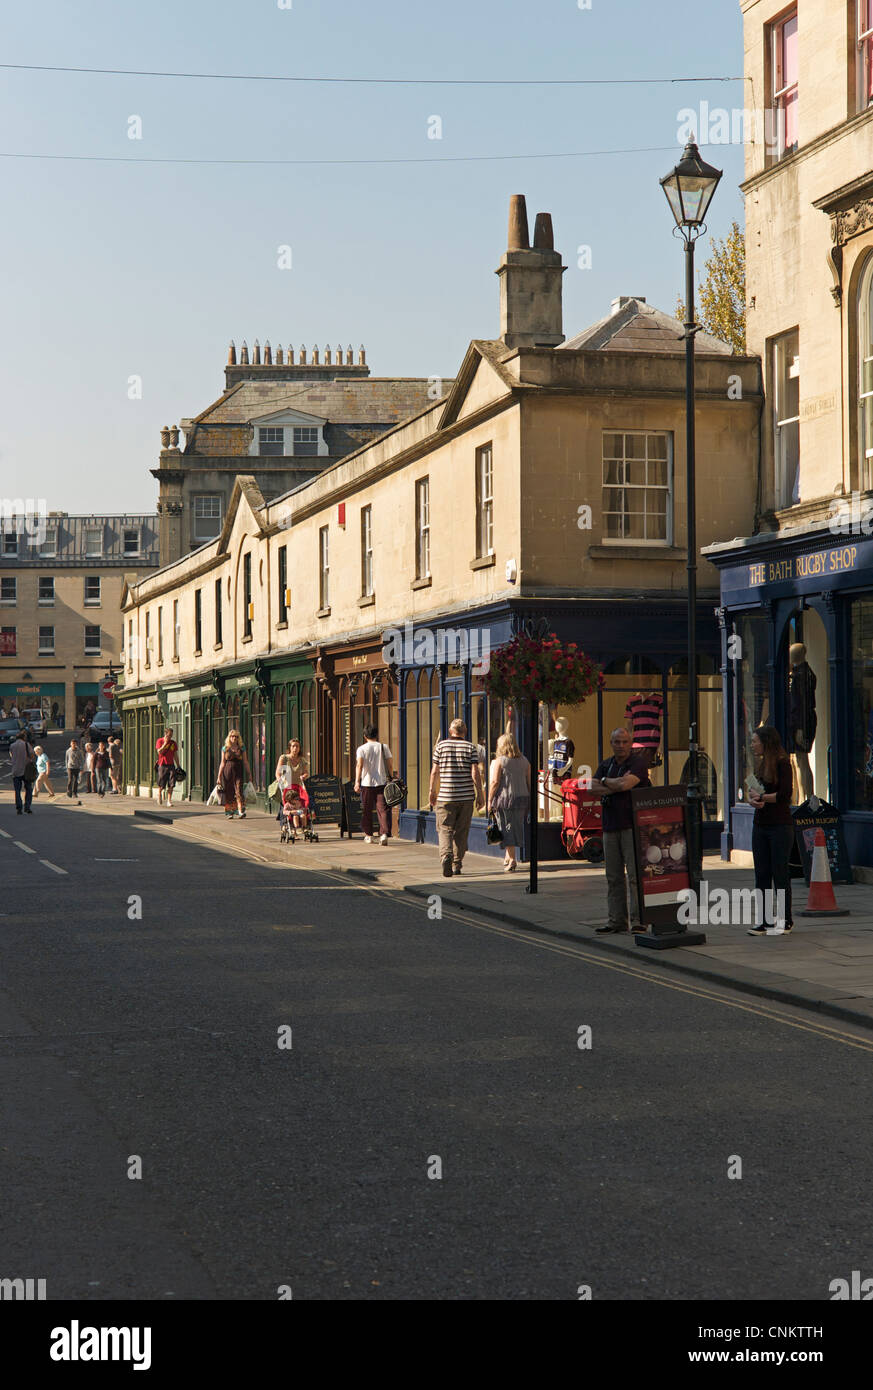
[(493, 833), (395, 791), (179, 774), (250, 792), (215, 798), (31, 771)]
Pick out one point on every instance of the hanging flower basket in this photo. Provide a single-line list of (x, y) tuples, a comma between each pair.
[(542, 669)]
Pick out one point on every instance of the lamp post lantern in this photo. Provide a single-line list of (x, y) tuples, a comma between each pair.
[(689, 189)]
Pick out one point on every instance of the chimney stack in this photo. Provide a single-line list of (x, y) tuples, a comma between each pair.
[(530, 282)]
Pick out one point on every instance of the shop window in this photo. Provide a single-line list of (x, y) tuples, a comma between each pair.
[(258, 750), (307, 729), (783, 104), (865, 377), (422, 732), (637, 488), (752, 692), (280, 721), (46, 590), (46, 641), (862, 704), (785, 394), (864, 77), (196, 759)]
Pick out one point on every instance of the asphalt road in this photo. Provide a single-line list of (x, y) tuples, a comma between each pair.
[(412, 1039)]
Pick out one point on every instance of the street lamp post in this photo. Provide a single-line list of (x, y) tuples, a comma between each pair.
[(689, 189)]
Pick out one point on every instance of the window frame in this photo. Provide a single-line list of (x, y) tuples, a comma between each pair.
[(271, 451), (667, 489), (780, 91), (131, 531), (49, 548), (10, 544), (247, 593), (43, 600), (422, 527), (864, 321), (198, 500), (4, 634), (198, 621), (92, 602), (93, 650), (9, 579), (367, 585), (305, 448), (784, 367), (863, 55), (484, 501), (219, 614), (323, 569), (45, 646), (282, 580), (99, 531), (175, 629)]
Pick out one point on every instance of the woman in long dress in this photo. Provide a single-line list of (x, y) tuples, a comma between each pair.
[(233, 772)]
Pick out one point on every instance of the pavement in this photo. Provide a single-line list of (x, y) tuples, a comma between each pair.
[(826, 964)]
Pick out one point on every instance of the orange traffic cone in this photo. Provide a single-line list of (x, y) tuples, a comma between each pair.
[(821, 901)]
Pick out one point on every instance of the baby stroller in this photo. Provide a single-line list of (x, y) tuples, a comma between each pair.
[(296, 806), (582, 828)]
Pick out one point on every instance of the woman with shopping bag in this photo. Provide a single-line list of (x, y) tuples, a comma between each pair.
[(509, 796), (234, 764)]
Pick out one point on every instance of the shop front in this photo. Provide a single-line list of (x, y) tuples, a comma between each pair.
[(643, 651), (36, 695), (797, 653), (356, 687)]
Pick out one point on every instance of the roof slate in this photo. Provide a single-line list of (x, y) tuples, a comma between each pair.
[(376, 400), (640, 327)]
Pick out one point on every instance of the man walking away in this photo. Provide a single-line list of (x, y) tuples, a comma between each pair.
[(456, 771), (21, 753), (74, 762), (614, 780)]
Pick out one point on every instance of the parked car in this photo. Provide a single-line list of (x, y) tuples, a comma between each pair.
[(36, 721), (9, 730), (104, 725)]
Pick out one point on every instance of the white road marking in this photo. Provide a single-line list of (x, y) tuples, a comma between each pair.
[(22, 845), (98, 860), (49, 865), (5, 834)]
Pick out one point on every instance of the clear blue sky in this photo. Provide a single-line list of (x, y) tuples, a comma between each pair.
[(111, 270)]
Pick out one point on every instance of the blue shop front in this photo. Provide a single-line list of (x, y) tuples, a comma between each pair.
[(796, 620), (642, 647)]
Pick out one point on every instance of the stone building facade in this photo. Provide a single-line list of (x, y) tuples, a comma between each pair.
[(802, 578), (61, 582), (548, 484), (284, 416)]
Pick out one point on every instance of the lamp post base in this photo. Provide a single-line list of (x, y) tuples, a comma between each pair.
[(668, 940)]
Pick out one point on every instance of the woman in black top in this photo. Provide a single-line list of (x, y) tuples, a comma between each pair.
[(773, 828)]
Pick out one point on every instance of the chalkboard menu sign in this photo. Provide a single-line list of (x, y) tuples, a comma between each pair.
[(326, 798), (808, 818), (351, 810)]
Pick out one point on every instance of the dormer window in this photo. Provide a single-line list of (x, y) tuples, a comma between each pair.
[(93, 542), (271, 441), (49, 548), (131, 540), (306, 441), (10, 542)]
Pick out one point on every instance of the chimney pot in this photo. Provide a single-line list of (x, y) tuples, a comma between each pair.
[(303, 354), (327, 356), (231, 354), (280, 358), (257, 357), (268, 354), (544, 237), (518, 238), (350, 356), (244, 354), (362, 356), (315, 356), (290, 357)]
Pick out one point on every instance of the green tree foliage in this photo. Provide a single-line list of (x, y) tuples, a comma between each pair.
[(722, 291)]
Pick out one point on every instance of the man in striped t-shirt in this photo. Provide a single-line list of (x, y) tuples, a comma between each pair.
[(456, 770)]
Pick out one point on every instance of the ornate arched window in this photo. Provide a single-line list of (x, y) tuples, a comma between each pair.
[(865, 378)]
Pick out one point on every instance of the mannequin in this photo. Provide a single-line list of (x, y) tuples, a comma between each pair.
[(562, 750), (802, 718), (644, 712)]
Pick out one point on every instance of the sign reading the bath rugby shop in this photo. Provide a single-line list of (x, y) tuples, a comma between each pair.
[(815, 569)]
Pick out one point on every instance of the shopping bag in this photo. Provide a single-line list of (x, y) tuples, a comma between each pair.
[(250, 791), (214, 798), (272, 789)]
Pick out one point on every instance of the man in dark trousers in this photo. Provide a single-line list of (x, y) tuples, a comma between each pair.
[(614, 780)]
